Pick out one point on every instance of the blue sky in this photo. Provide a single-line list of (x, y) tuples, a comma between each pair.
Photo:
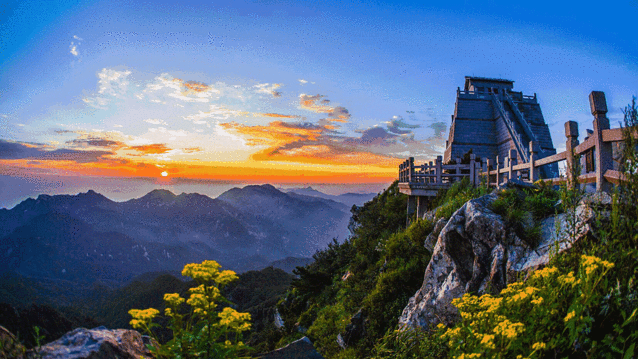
[(284, 86)]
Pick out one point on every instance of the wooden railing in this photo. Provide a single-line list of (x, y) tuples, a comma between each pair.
[(598, 146), (437, 173)]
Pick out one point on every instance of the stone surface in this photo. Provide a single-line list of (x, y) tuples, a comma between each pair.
[(98, 343), (353, 331), (431, 239), (476, 253), (299, 349)]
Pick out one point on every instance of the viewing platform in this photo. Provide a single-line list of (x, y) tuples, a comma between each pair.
[(596, 166)]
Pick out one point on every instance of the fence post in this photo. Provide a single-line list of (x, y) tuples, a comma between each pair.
[(571, 132), (604, 158), (498, 171), (533, 170), (430, 171), (439, 169), (472, 169), (510, 164), (411, 167)]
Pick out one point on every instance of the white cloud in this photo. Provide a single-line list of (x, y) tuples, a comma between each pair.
[(78, 38), (216, 112), (113, 82), (155, 121), (74, 50), (118, 126), (302, 81), (270, 89)]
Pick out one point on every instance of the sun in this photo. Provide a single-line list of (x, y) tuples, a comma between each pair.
[(164, 174)]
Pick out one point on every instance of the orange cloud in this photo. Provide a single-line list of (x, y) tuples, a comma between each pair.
[(156, 148), (196, 86), (306, 143), (277, 132), (315, 103), (276, 115)]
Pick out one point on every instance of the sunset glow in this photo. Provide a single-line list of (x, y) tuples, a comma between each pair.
[(294, 92)]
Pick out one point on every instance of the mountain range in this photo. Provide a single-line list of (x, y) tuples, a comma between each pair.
[(87, 237)]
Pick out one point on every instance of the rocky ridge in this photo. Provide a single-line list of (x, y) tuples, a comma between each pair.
[(474, 252)]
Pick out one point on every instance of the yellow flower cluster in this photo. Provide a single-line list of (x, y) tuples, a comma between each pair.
[(545, 273), (233, 319), (591, 263), (173, 299), (226, 277), (469, 356), (508, 329), (205, 271), (569, 279), (570, 316), (142, 318), (539, 346)]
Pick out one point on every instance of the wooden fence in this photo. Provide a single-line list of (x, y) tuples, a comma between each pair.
[(596, 149)]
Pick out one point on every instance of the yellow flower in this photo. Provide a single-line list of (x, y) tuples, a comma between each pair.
[(203, 272), (226, 277), (488, 341), (508, 329), (142, 318), (539, 346), (144, 315), (537, 301), (546, 272), (173, 299), (569, 316)]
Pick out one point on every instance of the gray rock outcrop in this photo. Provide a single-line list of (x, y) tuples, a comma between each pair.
[(299, 349), (98, 343), (476, 253)]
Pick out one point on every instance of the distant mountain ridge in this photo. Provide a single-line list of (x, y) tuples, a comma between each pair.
[(87, 237), (349, 199)]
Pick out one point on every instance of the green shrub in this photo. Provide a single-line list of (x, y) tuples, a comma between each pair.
[(330, 321), (450, 200), (411, 344)]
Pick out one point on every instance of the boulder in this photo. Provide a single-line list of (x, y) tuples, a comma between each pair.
[(299, 349), (98, 343), (431, 239), (353, 331), (476, 253)]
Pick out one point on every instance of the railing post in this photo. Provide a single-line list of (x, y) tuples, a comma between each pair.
[(457, 170), (430, 171), (498, 171), (604, 158), (472, 169), (439, 169), (411, 167), (533, 170), (489, 176), (510, 164), (571, 132)]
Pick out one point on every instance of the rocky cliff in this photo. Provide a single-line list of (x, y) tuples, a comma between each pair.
[(475, 252)]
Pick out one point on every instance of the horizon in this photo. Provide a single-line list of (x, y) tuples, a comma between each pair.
[(119, 193), (128, 96)]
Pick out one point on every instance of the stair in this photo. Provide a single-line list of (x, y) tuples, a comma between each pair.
[(516, 137)]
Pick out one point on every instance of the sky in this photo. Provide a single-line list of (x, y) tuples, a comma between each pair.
[(126, 96)]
